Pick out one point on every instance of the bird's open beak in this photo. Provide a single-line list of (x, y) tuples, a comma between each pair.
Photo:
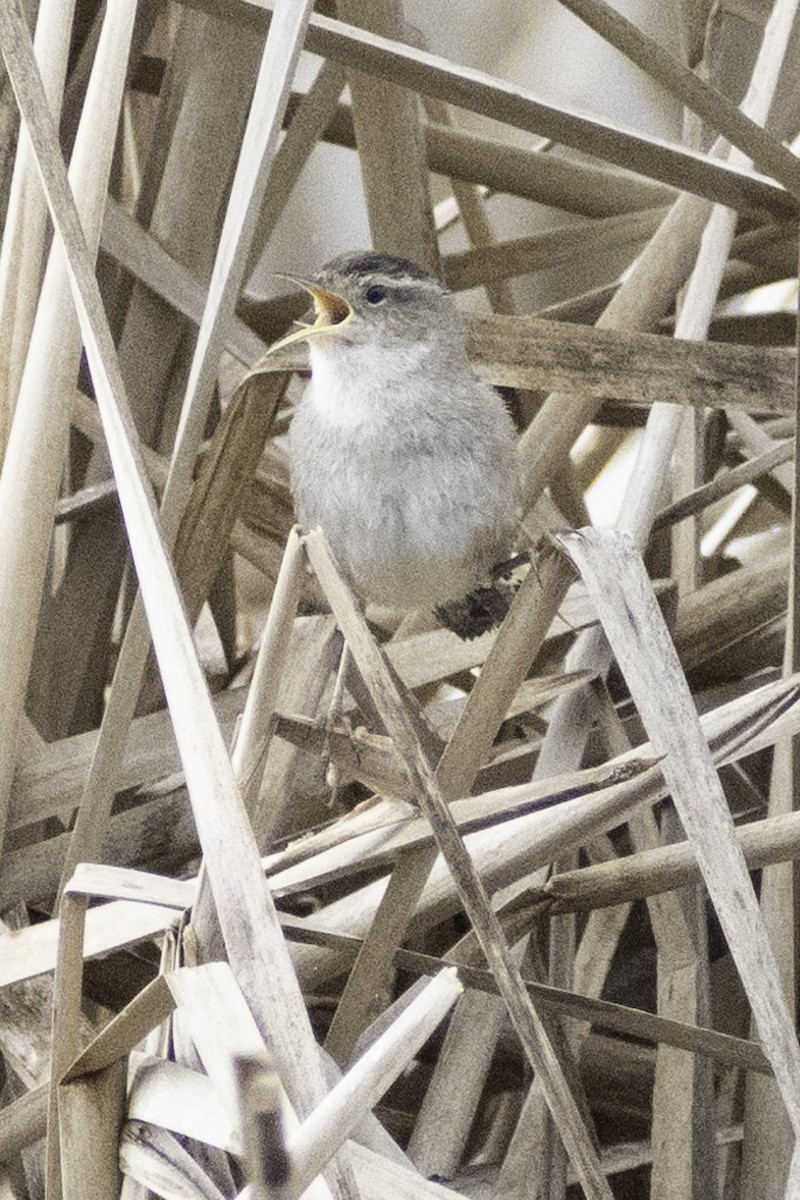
[(333, 312)]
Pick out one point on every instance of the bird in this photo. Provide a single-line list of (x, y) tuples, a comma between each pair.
[(402, 455)]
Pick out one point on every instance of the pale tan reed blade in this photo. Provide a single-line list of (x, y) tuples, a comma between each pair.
[(512, 850), (451, 1099), (141, 254), (24, 239), (516, 645), (387, 122), (182, 1101), (24, 1122), (252, 739), (581, 187), (246, 912), (366, 1080), (535, 1041), (326, 910), (66, 1030), (254, 733), (307, 126), (654, 283), (91, 1112), (280, 56), (476, 91), (39, 432), (612, 361), (158, 1161), (472, 212), (223, 1032), (553, 248), (742, 129), (708, 493), (612, 569), (773, 840)]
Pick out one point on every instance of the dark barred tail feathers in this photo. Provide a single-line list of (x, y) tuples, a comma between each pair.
[(483, 608)]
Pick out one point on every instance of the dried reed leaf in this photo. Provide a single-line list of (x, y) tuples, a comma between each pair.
[(631, 619), (252, 740), (467, 157), (307, 125), (67, 989), (117, 883), (149, 1009), (387, 121), (607, 363), (32, 951), (527, 1023), (157, 1160), (23, 1122), (723, 116), (572, 808), (182, 1101), (261, 135), (39, 433), (205, 757), (473, 90), (482, 265), (24, 240), (366, 1080), (139, 252), (224, 1033), (709, 493)]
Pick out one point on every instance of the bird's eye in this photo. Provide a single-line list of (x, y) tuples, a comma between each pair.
[(375, 294)]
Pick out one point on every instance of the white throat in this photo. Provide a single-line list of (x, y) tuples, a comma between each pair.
[(346, 379)]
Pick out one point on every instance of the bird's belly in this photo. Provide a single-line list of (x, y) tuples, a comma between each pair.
[(407, 544), (392, 567)]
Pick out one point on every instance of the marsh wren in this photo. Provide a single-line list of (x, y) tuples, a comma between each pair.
[(403, 456)]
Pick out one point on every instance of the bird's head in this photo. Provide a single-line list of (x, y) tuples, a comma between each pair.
[(380, 300)]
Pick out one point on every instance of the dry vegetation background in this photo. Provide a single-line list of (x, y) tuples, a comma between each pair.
[(540, 940)]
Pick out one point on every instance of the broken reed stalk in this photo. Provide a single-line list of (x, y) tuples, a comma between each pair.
[(515, 864), (506, 665), (39, 431), (259, 144), (631, 619), (244, 906), (253, 735), (530, 1029), (26, 218)]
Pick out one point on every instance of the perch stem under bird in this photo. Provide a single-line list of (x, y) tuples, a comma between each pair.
[(404, 457)]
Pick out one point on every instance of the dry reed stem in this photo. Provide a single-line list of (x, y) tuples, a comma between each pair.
[(258, 149), (387, 122), (504, 669), (223, 1033), (726, 631), (664, 700), (24, 241), (740, 128), (139, 252), (40, 431), (208, 769), (478, 92), (580, 187), (471, 207), (253, 735), (527, 1023), (368, 1078), (66, 1027), (566, 733)]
